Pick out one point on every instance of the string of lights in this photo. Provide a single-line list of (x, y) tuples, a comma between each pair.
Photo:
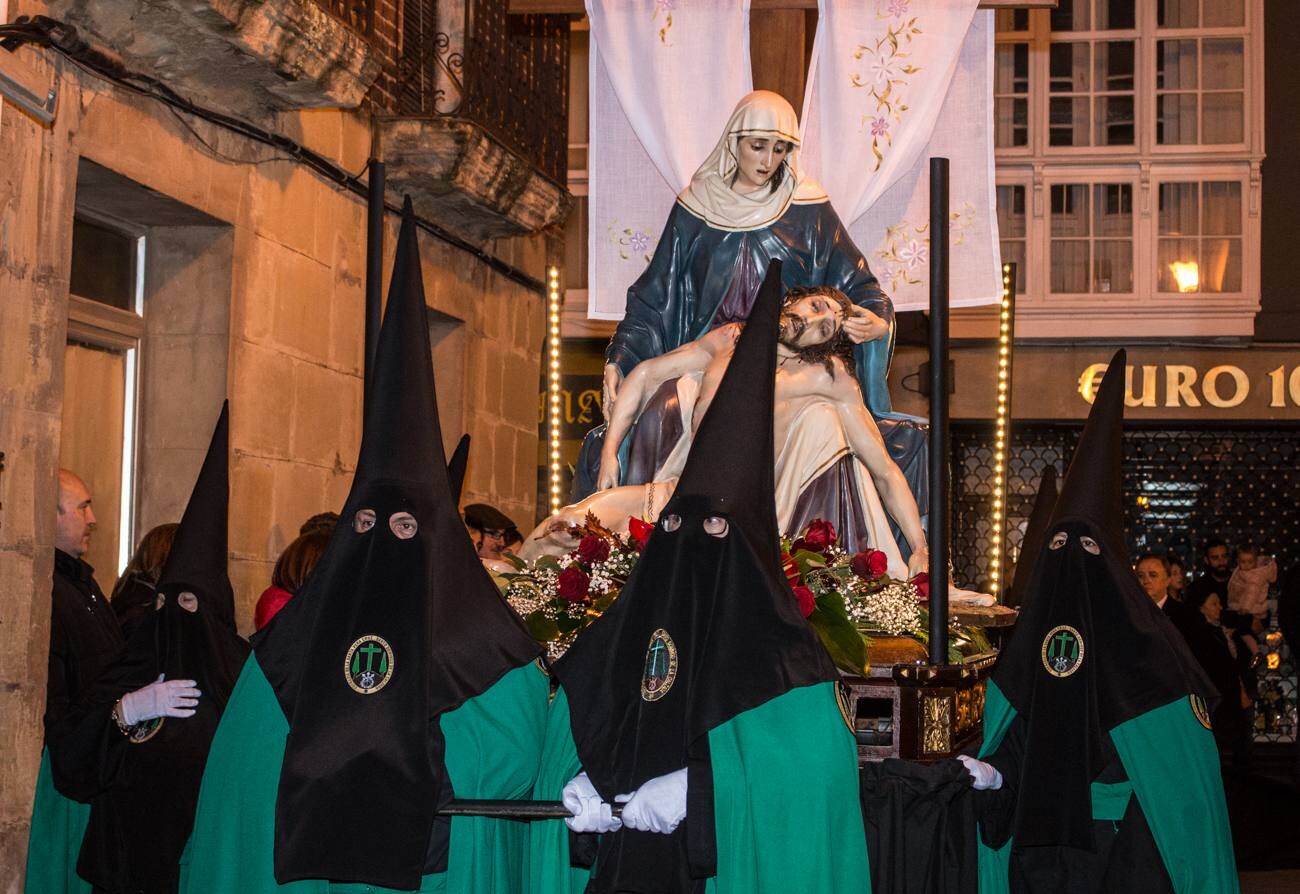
[(554, 305), (1006, 339)]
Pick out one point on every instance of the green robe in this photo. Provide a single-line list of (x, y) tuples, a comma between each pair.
[(493, 746), (1173, 769), (773, 824), (58, 825)]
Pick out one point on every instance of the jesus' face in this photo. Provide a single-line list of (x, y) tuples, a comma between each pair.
[(810, 320)]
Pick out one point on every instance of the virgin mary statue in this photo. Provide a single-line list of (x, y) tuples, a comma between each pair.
[(747, 204)]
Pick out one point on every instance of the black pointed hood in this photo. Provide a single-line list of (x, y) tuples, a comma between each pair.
[(1093, 490), (1090, 650), (706, 627), (1032, 543), (199, 550), (398, 624), (140, 822), (456, 468)]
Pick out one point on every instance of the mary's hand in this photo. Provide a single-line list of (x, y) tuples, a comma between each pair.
[(609, 389), (608, 475), (861, 325)]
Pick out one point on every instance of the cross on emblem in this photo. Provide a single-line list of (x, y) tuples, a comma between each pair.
[(372, 675)]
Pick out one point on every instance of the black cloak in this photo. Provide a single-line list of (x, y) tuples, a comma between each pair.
[(706, 628), (1090, 651), (397, 624), (143, 787)]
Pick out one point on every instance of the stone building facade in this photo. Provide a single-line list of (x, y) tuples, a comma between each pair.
[(249, 283)]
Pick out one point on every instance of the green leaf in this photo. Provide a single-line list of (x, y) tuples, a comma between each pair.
[(806, 560), (541, 627), (841, 638), (547, 562)]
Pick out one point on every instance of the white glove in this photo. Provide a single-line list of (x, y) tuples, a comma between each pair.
[(173, 698), (983, 776), (659, 805), (590, 813)]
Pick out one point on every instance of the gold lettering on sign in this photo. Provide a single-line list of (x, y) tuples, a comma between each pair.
[(1148, 398), (1294, 386), (1278, 379), (1178, 386), (1089, 379), (1210, 386)]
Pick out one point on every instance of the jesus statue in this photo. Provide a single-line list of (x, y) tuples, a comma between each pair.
[(831, 461)]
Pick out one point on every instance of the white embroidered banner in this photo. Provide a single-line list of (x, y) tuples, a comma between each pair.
[(664, 75), (893, 83)]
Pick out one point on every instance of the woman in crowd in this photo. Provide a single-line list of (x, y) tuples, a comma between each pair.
[(290, 573), (135, 593)]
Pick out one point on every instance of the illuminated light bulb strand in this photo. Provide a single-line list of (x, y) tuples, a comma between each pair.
[(554, 305), (1006, 343)]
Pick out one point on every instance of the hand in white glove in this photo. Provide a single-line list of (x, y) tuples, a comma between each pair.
[(170, 698), (659, 805), (984, 776), (590, 813)]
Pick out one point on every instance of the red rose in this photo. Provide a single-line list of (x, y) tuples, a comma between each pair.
[(869, 564), (639, 531), (819, 536), (922, 584), (573, 584), (807, 601), (791, 569), (593, 549)]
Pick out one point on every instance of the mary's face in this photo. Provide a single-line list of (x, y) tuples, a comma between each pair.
[(757, 159)]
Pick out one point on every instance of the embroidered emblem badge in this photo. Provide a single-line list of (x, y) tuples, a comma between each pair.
[(368, 666), (846, 706), (144, 730), (660, 666), (1062, 651), (1200, 709)]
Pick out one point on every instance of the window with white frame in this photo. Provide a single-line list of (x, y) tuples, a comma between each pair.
[(1092, 238), (1092, 73), (1200, 88), (1199, 242)]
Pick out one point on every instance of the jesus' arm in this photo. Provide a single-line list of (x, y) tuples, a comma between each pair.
[(641, 384), (869, 447)]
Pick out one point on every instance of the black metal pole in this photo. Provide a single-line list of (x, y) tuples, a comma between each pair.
[(374, 264), (938, 511)]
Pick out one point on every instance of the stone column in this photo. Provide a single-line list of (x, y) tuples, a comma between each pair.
[(37, 186)]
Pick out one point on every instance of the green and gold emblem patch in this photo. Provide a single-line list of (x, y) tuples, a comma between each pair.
[(845, 705), (1200, 710), (369, 664), (660, 666), (1062, 650), (144, 730)]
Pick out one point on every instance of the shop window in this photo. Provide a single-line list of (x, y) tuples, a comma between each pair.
[(1092, 93), (1092, 238), (1199, 244), (1200, 13)]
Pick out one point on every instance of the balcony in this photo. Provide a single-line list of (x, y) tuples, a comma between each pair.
[(479, 131), (248, 56)]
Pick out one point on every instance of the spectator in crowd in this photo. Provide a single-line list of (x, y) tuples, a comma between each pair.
[(491, 530), (1213, 575), (1249, 584), (1288, 621), (1225, 657), (1152, 571), (85, 638), (1177, 577), (291, 570), (134, 595), (321, 521)]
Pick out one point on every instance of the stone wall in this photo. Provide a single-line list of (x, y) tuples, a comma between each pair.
[(294, 303)]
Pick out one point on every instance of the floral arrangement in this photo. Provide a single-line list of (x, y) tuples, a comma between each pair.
[(845, 596), (559, 597)]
